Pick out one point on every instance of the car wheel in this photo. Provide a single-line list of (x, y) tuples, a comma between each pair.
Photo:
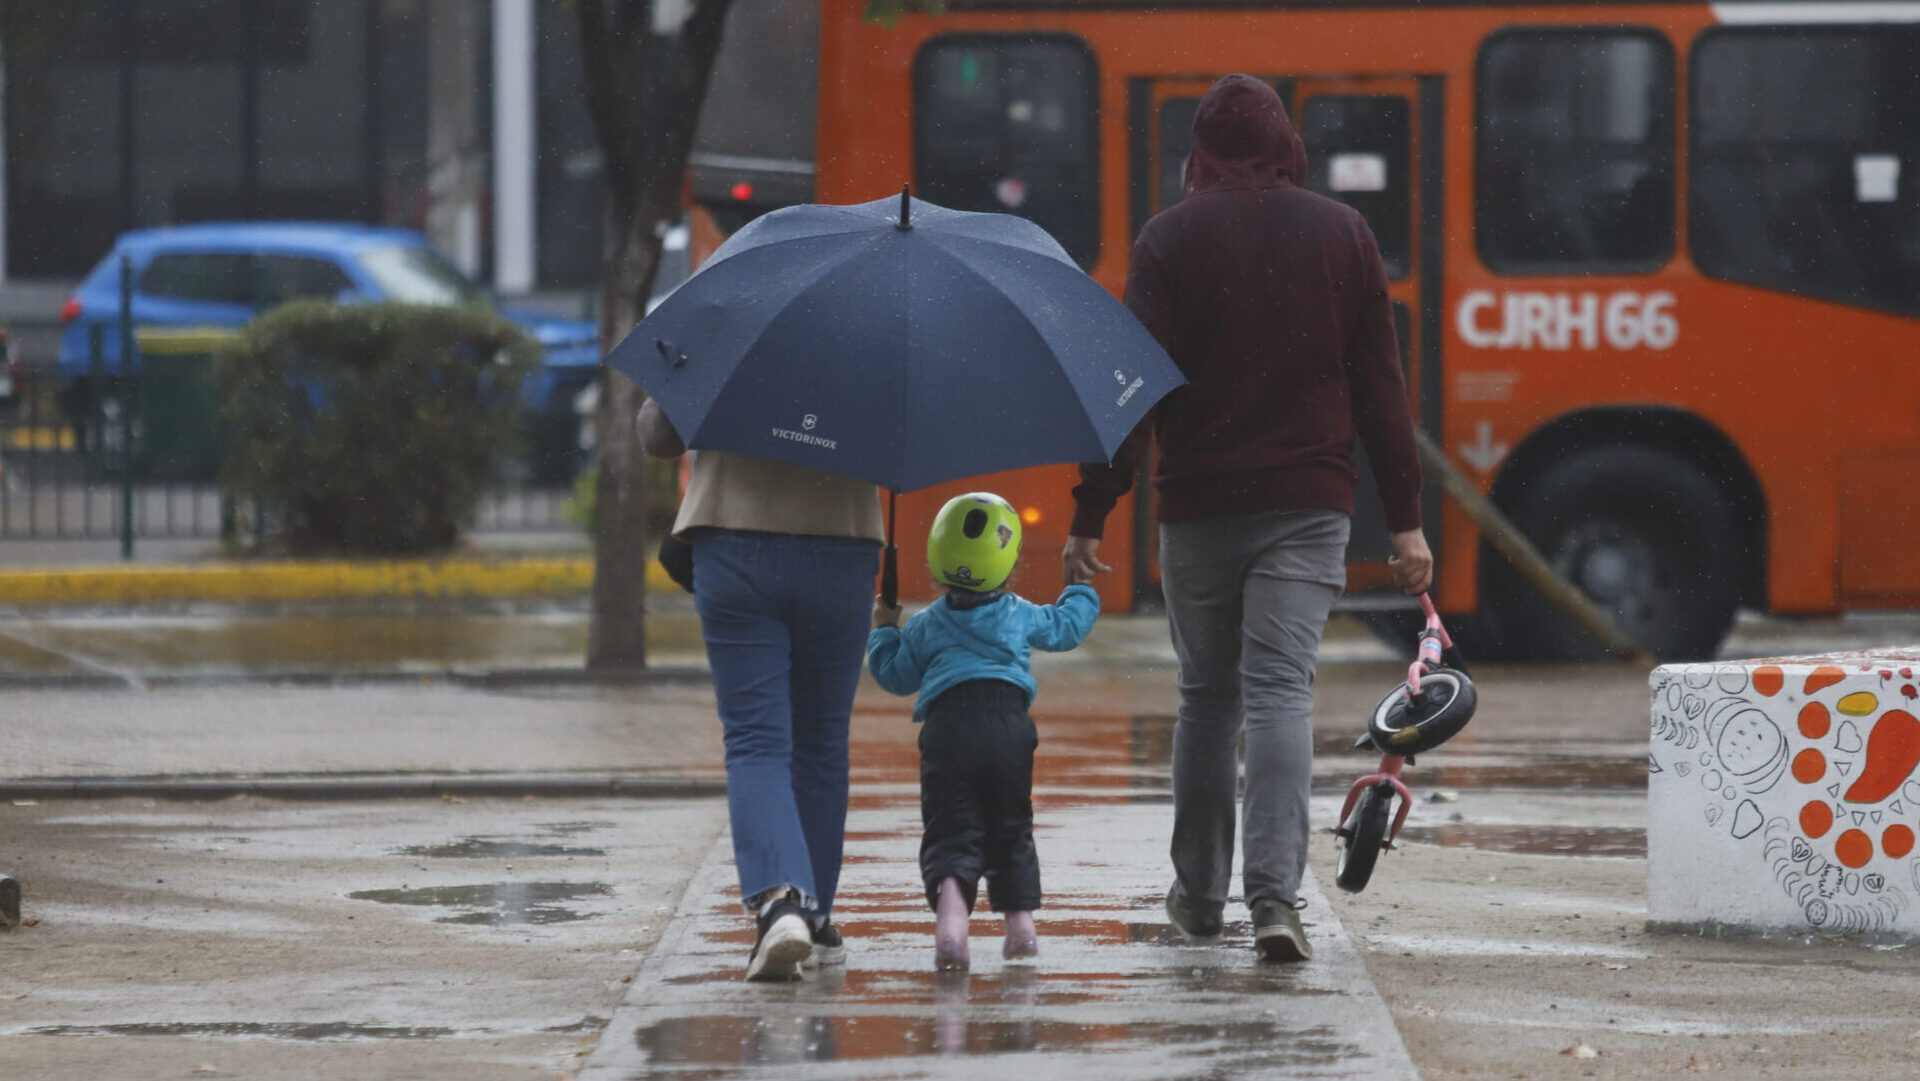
[(1645, 533)]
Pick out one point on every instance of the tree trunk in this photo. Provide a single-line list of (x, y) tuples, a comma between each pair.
[(617, 629), (646, 74)]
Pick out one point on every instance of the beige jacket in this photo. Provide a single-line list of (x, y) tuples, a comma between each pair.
[(736, 491)]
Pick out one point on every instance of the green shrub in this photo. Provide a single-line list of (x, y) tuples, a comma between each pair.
[(370, 429), (662, 478)]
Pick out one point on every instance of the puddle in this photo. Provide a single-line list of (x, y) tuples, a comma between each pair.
[(571, 829), (1604, 774), (486, 848), (699, 1047), (1009, 986), (303, 1032), (498, 903), (1534, 840)]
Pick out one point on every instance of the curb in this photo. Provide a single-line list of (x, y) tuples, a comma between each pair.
[(364, 788), (281, 581)]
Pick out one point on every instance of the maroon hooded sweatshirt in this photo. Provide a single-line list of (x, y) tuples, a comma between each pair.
[(1272, 301)]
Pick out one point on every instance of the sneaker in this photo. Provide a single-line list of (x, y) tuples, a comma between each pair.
[(1188, 919), (828, 947), (1277, 934), (784, 944)]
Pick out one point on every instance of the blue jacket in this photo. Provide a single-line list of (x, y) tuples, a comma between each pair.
[(943, 645)]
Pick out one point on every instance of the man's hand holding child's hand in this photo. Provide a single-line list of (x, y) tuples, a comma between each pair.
[(885, 615)]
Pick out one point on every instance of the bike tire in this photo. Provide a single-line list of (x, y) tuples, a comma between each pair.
[(1362, 836), (1444, 706)]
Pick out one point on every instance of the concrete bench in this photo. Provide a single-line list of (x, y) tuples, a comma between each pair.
[(1782, 794)]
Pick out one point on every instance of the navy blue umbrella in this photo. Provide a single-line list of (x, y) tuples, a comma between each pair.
[(898, 342)]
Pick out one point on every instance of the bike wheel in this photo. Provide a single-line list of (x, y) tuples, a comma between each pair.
[(1362, 836), (1404, 725)]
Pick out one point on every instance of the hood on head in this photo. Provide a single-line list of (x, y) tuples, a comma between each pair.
[(1242, 138)]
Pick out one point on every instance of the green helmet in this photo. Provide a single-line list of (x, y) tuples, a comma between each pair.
[(974, 543)]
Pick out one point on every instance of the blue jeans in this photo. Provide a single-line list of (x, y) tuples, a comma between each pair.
[(785, 618)]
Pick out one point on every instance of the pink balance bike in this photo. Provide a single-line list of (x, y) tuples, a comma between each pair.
[(1416, 716)]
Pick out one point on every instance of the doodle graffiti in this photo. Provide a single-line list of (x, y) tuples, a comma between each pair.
[(1816, 760)]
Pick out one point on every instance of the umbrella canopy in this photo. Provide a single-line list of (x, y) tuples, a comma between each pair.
[(898, 342)]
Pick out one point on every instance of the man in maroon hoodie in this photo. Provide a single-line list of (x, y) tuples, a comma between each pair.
[(1273, 302)]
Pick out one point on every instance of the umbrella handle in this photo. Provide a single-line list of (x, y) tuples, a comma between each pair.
[(890, 563)]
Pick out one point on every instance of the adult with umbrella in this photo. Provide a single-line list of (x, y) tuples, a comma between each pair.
[(1273, 301), (821, 351)]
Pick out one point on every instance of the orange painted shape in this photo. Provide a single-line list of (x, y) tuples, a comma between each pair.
[(1767, 679), (1815, 721), (1809, 766), (1823, 677), (1816, 818), (1854, 848), (1897, 841), (1893, 750)]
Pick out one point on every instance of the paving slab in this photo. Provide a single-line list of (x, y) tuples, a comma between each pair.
[(1116, 995)]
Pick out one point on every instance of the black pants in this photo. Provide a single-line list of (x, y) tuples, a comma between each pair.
[(976, 795)]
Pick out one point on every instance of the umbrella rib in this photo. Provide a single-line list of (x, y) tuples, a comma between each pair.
[(1085, 417), (821, 280)]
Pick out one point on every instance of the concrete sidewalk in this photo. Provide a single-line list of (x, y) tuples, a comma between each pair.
[(1116, 994)]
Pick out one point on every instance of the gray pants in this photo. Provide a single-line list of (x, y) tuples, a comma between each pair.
[(1247, 598)]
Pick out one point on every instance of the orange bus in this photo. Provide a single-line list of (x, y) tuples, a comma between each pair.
[(1656, 265)]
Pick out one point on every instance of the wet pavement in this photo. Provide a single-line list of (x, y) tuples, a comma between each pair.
[(483, 938), (346, 642), (1116, 994), (266, 939)]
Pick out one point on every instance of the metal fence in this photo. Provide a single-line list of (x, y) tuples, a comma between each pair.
[(99, 455)]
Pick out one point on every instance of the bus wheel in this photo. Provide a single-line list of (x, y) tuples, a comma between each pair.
[(1647, 535)]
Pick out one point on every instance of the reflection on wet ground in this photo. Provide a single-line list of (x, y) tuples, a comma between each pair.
[(1116, 993), (307, 1032), (497, 903), (329, 641), (1533, 840), (481, 848), (691, 1047)]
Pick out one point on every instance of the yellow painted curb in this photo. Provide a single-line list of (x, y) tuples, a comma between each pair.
[(304, 581)]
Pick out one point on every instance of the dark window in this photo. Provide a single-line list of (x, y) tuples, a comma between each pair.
[(128, 113), (1010, 124), (291, 277), (200, 277), (1358, 151), (1805, 146), (1575, 151), (1176, 143)]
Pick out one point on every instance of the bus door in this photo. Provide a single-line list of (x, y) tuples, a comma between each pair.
[(1373, 143)]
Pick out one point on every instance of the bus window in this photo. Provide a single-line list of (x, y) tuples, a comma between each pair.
[(1803, 161), (1008, 123), (1176, 142), (1574, 165), (1357, 152)]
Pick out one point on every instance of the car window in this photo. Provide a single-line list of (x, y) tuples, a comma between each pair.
[(207, 277), (292, 277), (418, 276)]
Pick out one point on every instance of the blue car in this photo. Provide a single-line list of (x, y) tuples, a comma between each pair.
[(222, 274)]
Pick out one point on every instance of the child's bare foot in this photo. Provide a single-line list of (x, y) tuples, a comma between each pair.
[(1023, 942), (950, 918)]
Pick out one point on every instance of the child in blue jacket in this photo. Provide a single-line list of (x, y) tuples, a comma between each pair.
[(967, 654)]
